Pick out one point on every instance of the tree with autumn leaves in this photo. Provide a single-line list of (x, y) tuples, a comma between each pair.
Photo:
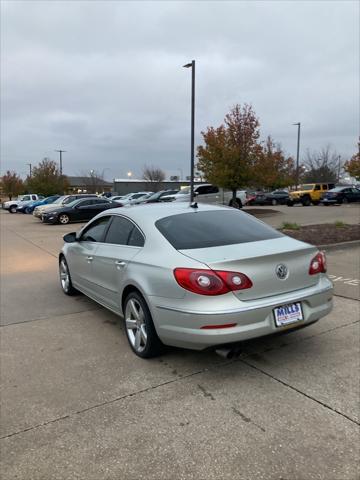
[(352, 166), (46, 179), (11, 184), (232, 155)]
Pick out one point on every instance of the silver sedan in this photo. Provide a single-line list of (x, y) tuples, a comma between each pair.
[(195, 277)]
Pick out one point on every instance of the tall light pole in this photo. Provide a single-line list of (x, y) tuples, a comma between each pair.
[(192, 66), (297, 153), (60, 152), (30, 168)]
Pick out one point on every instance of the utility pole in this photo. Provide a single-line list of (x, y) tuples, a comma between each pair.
[(61, 152), (192, 66), (297, 153), (30, 167), (339, 167)]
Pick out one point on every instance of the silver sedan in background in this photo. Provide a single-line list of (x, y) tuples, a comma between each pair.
[(195, 277)]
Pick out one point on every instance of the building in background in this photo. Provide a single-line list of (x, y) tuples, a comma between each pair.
[(122, 186), (90, 184)]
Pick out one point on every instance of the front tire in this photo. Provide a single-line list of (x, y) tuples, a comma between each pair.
[(139, 327), (65, 278), (63, 218), (345, 200), (13, 209), (28, 210), (273, 202)]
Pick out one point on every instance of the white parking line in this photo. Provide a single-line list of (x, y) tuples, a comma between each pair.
[(347, 281)]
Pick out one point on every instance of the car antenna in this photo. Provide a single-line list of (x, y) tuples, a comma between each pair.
[(194, 205)]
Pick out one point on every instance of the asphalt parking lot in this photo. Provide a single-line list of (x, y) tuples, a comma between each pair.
[(76, 403)]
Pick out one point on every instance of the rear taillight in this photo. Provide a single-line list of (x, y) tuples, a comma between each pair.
[(211, 282), (318, 264)]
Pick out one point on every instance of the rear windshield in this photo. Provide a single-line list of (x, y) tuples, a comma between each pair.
[(213, 229)]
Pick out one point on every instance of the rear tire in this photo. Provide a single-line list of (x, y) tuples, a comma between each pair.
[(235, 203), (139, 327), (345, 200), (65, 278), (13, 209), (306, 202), (290, 203), (28, 210)]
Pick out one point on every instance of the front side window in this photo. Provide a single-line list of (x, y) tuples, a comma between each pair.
[(317, 187), (212, 229), (124, 232), (95, 232)]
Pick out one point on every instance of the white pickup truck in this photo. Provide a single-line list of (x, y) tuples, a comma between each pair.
[(207, 193), (12, 205)]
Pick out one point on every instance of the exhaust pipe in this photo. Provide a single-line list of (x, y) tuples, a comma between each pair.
[(228, 353)]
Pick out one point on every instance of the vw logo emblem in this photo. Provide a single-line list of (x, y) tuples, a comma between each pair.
[(282, 271)]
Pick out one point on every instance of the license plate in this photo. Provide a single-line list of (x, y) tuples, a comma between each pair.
[(287, 314)]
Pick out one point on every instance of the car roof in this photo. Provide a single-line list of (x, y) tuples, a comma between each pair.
[(148, 214)]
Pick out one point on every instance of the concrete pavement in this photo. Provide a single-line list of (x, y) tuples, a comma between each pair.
[(76, 403)]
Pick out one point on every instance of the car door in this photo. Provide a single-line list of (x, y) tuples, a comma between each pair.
[(355, 195), (82, 254), (122, 243), (85, 210), (208, 194)]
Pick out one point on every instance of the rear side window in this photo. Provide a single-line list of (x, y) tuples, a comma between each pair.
[(213, 229), (124, 232)]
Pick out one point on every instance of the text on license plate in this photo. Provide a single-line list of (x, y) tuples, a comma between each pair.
[(287, 314)]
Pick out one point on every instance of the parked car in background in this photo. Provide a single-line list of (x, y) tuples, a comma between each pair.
[(195, 277), (207, 193), (64, 200), (22, 200), (129, 199), (77, 211), (277, 197), (141, 199), (159, 196), (115, 198), (341, 195), (310, 193), (29, 208)]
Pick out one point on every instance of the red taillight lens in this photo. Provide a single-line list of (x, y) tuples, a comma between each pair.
[(318, 264), (211, 282)]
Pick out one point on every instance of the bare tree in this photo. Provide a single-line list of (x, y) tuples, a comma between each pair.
[(94, 180), (322, 166), (153, 175)]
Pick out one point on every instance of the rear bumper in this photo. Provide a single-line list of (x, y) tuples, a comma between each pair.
[(182, 328)]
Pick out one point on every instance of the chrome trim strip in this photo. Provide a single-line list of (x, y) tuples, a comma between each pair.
[(281, 300)]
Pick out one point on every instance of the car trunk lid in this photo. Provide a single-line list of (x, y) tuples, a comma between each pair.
[(259, 260)]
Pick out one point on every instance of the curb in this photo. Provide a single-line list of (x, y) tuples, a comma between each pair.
[(340, 245)]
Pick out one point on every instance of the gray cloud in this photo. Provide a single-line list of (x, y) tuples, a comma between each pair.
[(103, 79)]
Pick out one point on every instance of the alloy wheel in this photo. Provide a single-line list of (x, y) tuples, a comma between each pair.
[(63, 219), (64, 276), (135, 325)]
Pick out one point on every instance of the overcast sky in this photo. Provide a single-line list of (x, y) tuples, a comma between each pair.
[(104, 79)]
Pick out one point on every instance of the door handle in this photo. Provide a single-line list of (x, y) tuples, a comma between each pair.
[(120, 263), (89, 259)]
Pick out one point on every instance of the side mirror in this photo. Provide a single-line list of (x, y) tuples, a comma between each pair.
[(70, 237)]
